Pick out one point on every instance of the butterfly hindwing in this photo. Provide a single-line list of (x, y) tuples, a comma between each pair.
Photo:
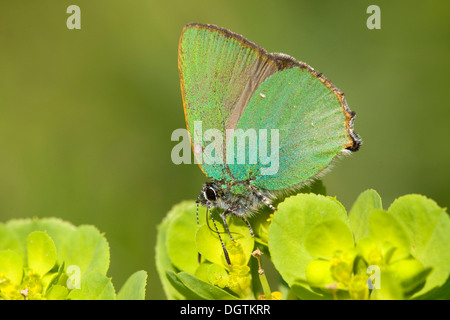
[(312, 122)]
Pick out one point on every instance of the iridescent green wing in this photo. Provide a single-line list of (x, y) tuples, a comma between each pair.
[(313, 121), (219, 72)]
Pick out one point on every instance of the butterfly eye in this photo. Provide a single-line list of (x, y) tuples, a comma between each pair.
[(210, 194)]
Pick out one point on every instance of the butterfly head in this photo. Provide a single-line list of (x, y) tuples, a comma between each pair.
[(209, 195)]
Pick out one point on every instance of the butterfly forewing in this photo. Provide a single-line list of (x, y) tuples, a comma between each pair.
[(219, 73)]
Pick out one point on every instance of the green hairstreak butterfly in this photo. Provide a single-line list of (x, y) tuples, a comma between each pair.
[(229, 84)]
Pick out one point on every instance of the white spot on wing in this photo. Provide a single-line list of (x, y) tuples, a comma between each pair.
[(198, 148)]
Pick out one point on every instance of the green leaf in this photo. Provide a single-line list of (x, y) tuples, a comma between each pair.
[(428, 227), (9, 240), (183, 291), (208, 242), (57, 292), (292, 221), (180, 240), (87, 249), (94, 286), (134, 287), (410, 273), (327, 237), (360, 212), (57, 229), (202, 271), (162, 258), (217, 275), (41, 252), (318, 273), (11, 266), (370, 251), (49, 244), (389, 233), (203, 289), (301, 290), (437, 293), (390, 288), (48, 280), (209, 245), (260, 223)]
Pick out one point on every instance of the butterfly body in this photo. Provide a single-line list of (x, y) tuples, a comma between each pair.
[(241, 199)]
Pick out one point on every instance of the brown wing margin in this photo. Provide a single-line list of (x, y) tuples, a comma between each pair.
[(237, 37)]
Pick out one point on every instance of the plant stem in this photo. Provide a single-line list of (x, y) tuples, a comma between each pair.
[(262, 277)]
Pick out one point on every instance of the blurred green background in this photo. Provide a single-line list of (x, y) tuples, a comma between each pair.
[(86, 115)]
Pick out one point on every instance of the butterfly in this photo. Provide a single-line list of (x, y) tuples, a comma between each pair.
[(230, 84)]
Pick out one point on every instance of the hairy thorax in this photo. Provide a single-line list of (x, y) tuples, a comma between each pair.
[(241, 198)]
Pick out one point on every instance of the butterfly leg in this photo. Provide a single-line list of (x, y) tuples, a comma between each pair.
[(230, 211), (220, 238), (248, 224), (242, 217), (224, 219), (262, 198)]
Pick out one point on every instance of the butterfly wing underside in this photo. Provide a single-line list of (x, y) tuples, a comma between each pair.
[(313, 121), (222, 75), (219, 73)]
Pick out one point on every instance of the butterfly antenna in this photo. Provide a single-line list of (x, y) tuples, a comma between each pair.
[(198, 222), (199, 257), (220, 238)]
